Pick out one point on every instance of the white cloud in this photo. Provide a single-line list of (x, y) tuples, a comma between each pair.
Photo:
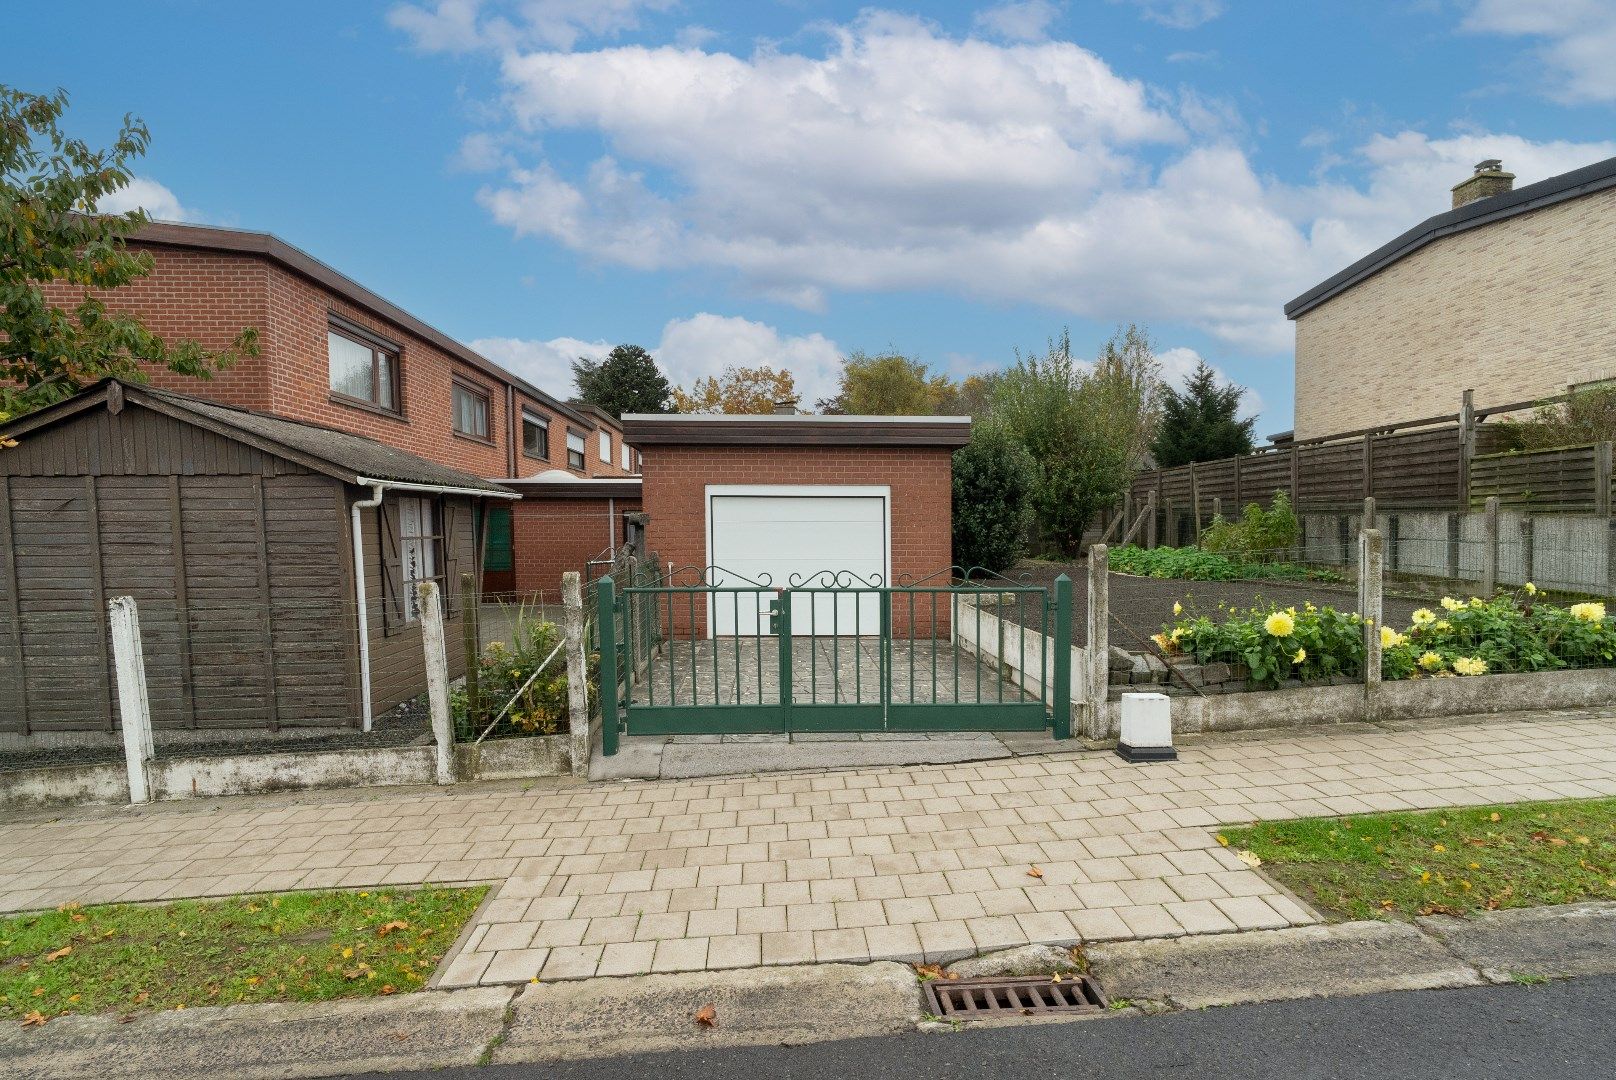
[(1579, 41), (1019, 20), (1180, 362), (903, 159), (142, 193), (459, 26), (703, 344), (1178, 14)]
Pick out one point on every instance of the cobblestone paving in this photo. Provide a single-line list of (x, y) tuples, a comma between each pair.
[(927, 862)]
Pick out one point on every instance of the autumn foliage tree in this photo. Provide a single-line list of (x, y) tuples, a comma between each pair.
[(52, 239), (737, 390)]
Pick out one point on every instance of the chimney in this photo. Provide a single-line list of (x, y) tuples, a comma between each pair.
[(788, 407), (1490, 179)]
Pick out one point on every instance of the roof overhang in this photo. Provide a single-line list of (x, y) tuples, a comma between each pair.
[(686, 429), (267, 246), (549, 485), (1556, 189)]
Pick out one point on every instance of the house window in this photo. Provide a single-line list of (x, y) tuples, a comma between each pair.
[(470, 411), (535, 436), (575, 451), (606, 446), (419, 550), (362, 369), (626, 453)]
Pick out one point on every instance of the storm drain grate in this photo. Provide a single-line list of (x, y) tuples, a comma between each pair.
[(979, 999)]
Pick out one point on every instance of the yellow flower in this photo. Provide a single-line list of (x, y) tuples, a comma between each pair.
[(1430, 661), (1424, 616), (1390, 639), (1476, 601), (1450, 604), (1593, 611), (1469, 665), (1301, 654), (1279, 624), (1442, 624), (1309, 606), (1178, 609), (1162, 642), (1531, 590), (1178, 632)]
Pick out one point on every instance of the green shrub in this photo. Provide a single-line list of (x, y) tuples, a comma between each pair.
[(1197, 564), (1274, 643), (503, 669), (1259, 533), (994, 481)]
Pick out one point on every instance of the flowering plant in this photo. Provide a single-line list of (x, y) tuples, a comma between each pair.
[(1275, 643)]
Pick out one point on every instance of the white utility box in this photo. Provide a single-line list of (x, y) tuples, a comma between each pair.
[(1147, 728)]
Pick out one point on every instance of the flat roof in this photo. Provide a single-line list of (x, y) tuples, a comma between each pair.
[(1473, 215), (268, 246), (778, 429)]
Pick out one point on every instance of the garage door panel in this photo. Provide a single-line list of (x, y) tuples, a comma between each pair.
[(775, 538)]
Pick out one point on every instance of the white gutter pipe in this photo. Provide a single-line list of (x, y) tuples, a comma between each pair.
[(377, 488)]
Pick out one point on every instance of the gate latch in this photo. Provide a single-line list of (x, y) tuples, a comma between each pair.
[(774, 614)]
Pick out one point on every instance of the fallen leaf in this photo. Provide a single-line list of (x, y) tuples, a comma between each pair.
[(35, 1019), (1033, 871), (127, 1018), (1055, 977), (387, 928), (387, 988), (1494, 816), (707, 1016), (1250, 858), (1224, 840), (59, 953)]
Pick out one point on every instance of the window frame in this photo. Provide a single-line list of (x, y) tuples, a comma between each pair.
[(604, 449), (530, 416), (432, 545), (582, 452), (459, 385), (628, 456), (378, 346)]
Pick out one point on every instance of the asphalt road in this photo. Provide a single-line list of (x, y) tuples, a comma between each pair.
[(1562, 1030)]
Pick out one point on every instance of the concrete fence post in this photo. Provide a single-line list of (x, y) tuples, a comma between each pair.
[(572, 625), (437, 677), (471, 639), (134, 706), (1528, 548), (1097, 647), (1489, 547), (1371, 558)]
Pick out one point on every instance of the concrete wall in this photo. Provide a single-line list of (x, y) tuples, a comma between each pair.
[(1019, 652), (1517, 309)]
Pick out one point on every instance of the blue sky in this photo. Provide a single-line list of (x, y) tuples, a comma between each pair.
[(784, 181)]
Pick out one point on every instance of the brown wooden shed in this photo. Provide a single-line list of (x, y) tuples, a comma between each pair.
[(234, 532)]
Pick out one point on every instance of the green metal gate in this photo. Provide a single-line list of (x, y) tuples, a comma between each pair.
[(830, 654)]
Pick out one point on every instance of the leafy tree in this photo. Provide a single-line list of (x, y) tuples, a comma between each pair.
[(994, 481), (52, 239), (973, 397), (737, 390), (627, 381), (1087, 426), (888, 384), (1201, 424), (1586, 416)]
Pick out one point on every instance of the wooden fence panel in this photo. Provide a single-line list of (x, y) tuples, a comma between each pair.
[(1416, 469), (1542, 480)]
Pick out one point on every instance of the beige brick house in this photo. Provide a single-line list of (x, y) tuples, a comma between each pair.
[(1512, 293)]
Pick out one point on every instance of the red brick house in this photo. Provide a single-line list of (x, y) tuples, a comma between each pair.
[(336, 354), (785, 499)]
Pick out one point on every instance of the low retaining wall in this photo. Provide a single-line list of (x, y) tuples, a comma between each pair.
[(1404, 699), (253, 774), (1018, 652)]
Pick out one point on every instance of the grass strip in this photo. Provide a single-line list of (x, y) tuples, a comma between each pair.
[(300, 946), (1453, 862)]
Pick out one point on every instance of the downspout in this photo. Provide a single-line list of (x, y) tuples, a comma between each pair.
[(360, 596), (611, 527)]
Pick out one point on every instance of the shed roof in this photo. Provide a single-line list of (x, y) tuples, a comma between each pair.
[(346, 456), (689, 429), (1472, 215)]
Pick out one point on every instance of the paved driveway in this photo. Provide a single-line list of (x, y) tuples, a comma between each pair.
[(926, 862)]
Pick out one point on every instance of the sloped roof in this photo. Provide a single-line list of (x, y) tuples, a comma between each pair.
[(1472, 215), (336, 453)]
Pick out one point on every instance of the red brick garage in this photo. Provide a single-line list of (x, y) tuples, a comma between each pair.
[(796, 495)]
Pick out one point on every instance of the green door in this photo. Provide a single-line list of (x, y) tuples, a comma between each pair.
[(497, 552)]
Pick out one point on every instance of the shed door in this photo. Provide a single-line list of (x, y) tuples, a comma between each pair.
[(772, 535)]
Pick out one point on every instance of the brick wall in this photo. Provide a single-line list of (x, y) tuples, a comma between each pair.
[(1518, 309), (676, 479), (550, 536), (210, 296)]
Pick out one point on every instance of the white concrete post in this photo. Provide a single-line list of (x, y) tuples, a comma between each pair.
[(572, 596), (134, 707), (437, 676), (1097, 647), (1489, 547), (1370, 563)]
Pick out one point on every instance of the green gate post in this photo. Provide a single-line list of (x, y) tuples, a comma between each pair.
[(605, 618), (782, 627), (1063, 657)]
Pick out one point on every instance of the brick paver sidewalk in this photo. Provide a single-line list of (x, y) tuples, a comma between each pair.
[(928, 862)]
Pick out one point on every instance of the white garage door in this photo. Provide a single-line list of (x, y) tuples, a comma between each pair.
[(771, 534)]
